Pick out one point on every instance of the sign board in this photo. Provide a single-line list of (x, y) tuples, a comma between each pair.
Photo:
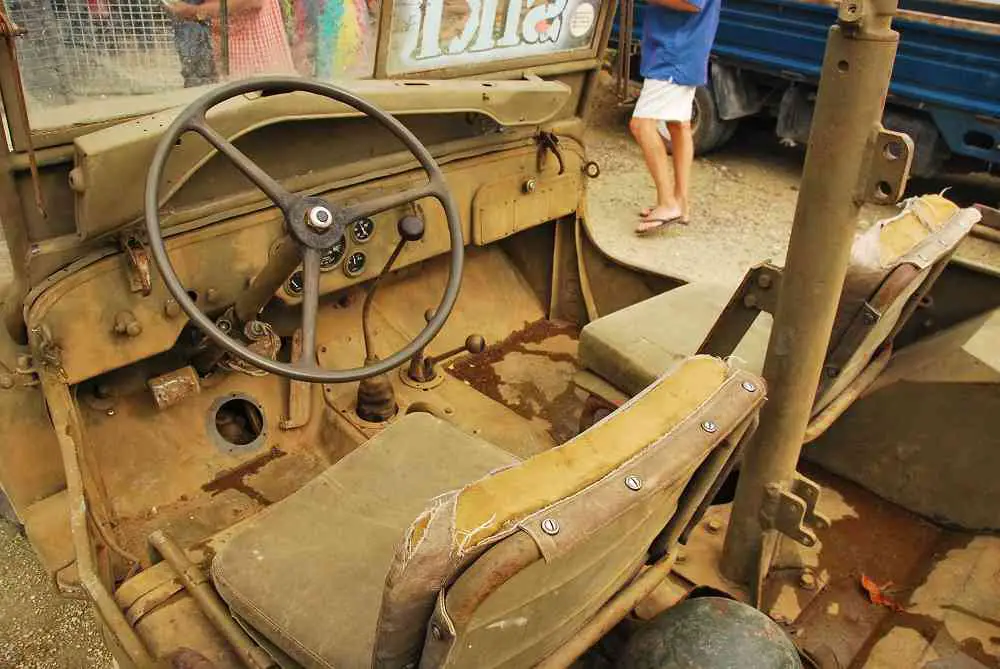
[(435, 34)]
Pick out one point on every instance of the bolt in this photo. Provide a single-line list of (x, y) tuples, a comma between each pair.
[(319, 218), (764, 281), (807, 580), (633, 482), (6, 381), (750, 301), (550, 526), (749, 386), (713, 526), (710, 427), (529, 186), (133, 329), (171, 308)]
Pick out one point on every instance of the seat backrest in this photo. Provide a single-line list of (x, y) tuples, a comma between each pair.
[(526, 555), (893, 265)]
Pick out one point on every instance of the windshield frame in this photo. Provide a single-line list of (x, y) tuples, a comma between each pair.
[(20, 135)]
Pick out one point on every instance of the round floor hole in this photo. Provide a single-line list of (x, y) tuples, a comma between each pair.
[(237, 423)]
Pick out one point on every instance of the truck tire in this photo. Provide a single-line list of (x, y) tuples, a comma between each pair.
[(708, 130)]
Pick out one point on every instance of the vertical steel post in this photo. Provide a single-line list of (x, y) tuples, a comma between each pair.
[(856, 69)]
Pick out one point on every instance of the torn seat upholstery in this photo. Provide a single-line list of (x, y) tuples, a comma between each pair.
[(893, 263), (428, 547)]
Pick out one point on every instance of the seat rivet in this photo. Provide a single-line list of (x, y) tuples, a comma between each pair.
[(550, 526), (749, 386), (436, 632), (709, 426), (633, 482)]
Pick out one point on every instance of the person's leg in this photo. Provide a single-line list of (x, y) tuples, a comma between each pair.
[(655, 152), (682, 151)]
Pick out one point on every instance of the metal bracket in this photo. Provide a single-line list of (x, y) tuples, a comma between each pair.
[(791, 510), (888, 170), (139, 276), (299, 393), (758, 292)]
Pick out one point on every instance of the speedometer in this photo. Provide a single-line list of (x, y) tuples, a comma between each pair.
[(332, 256)]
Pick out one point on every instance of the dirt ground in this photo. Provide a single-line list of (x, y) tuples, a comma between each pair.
[(743, 203)]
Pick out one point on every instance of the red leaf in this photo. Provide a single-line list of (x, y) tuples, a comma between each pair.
[(876, 594)]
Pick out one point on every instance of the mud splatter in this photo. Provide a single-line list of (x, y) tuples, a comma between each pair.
[(235, 478)]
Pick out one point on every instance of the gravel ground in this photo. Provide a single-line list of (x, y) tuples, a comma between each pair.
[(743, 203), (38, 628)]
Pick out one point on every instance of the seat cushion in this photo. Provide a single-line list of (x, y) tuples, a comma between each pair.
[(309, 572), (631, 347)]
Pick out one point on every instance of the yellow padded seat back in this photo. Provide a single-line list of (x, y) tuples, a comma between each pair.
[(460, 526)]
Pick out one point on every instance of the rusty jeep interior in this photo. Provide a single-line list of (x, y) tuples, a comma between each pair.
[(322, 366)]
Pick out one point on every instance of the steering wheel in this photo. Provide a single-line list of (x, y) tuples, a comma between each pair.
[(312, 224)]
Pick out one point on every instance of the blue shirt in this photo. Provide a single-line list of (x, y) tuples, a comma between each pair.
[(676, 44)]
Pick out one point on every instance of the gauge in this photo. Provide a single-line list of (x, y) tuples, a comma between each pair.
[(332, 256), (295, 283), (355, 264), (363, 230)]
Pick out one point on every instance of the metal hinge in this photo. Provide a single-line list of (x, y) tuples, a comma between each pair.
[(791, 510), (139, 277)]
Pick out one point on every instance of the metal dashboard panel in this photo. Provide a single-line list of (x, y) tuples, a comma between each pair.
[(111, 164), (79, 305)]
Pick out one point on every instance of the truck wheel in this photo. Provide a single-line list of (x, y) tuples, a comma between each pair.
[(709, 131)]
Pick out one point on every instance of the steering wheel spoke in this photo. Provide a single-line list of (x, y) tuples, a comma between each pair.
[(310, 307), (377, 205), (274, 190)]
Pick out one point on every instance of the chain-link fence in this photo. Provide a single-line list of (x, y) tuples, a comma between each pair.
[(77, 49)]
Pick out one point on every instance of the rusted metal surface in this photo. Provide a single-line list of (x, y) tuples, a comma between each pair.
[(174, 387), (531, 372)]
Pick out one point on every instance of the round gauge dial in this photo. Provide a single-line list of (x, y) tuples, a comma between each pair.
[(355, 264), (332, 256), (362, 231), (295, 283)]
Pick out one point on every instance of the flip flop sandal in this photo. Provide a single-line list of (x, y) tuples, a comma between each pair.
[(660, 224)]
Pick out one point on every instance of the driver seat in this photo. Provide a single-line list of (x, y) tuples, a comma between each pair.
[(427, 546)]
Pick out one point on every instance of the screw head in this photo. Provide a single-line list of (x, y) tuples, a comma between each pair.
[(320, 218), (550, 526), (710, 427), (749, 386), (764, 281), (807, 580), (633, 482), (110, 412), (171, 308), (713, 526), (529, 186)]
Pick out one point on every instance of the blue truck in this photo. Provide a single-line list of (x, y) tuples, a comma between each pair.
[(945, 90)]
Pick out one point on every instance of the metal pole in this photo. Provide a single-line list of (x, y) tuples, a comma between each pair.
[(856, 69)]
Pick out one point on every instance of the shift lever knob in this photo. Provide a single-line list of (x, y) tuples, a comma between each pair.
[(475, 344), (410, 228)]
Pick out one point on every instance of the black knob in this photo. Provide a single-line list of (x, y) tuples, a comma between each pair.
[(410, 228), (475, 343)]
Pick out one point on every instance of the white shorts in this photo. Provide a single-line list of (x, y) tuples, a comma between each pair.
[(664, 101)]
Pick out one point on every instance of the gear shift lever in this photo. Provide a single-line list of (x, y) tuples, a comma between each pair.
[(376, 401), (422, 368)]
